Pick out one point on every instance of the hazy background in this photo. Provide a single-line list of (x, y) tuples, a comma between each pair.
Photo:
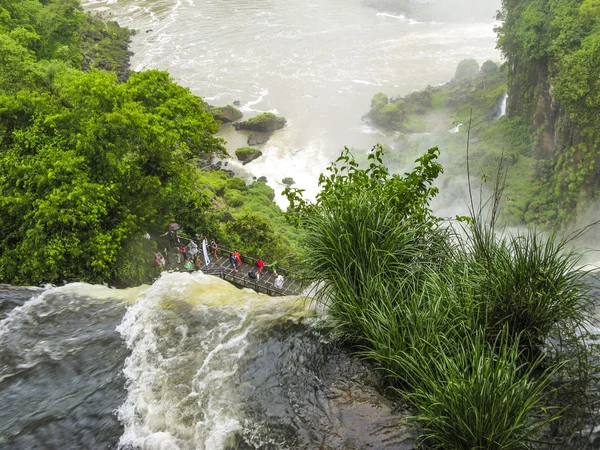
[(315, 62)]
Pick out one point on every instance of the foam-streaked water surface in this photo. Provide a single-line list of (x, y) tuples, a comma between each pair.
[(190, 362), (317, 62)]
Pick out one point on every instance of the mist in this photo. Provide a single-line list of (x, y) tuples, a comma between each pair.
[(463, 11)]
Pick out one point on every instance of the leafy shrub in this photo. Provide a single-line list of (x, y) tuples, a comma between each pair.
[(234, 198), (473, 330), (527, 284), (237, 183), (479, 396), (379, 100)]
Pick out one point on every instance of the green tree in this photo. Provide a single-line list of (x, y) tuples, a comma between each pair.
[(253, 235), (467, 69), (19, 68), (91, 165), (406, 196)]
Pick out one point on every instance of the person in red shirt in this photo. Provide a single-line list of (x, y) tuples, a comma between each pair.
[(260, 264)]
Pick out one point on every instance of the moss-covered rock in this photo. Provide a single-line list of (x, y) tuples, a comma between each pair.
[(288, 181), (388, 116), (265, 122), (247, 154), (237, 183), (105, 46), (226, 114), (467, 69)]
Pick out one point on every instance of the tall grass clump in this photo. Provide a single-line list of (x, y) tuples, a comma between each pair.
[(481, 331), (529, 283), (479, 396), (368, 232)]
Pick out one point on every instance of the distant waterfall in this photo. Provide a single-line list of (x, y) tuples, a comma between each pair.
[(502, 107)]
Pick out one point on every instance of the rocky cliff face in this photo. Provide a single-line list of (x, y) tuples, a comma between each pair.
[(552, 52), (530, 96), (559, 142)]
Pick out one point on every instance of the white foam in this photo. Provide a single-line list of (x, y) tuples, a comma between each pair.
[(370, 83), (455, 129), (43, 304), (366, 129), (247, 107), (183, 371), (400, 17)]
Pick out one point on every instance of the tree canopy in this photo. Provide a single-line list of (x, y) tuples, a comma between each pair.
[(88, 164)]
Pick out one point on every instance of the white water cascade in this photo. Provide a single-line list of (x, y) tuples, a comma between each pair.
[(190, 362), (318, 64), (502, 110)]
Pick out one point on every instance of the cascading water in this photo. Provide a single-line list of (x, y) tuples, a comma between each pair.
[(61, 367), (502, 107), (190, 362)]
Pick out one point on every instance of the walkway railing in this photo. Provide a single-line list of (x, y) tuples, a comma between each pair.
[(260, 286), (220, 267)]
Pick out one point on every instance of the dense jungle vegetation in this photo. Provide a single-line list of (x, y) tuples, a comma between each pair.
[(92, 157), (484, 334)]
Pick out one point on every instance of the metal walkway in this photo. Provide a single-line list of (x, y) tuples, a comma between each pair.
[(265, 284), (221, 268)]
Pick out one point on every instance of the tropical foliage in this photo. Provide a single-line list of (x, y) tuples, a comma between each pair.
[(552, 50), (88, 164), (470, 325)]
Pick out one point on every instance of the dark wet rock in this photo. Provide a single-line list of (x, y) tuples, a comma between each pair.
[(316, 396), (288, 181), (247, 154), (104, 64), (262, 179), (258, 138), (237, 103), (226, 114), (265, 122)]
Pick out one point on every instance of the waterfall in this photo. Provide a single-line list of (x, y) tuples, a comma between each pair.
[(502, 106), (189, 362)]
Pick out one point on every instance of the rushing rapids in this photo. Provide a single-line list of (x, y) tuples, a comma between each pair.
[(316, 63), (189, 362)]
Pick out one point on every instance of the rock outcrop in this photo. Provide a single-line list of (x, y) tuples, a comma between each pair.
[(258, 137), (265, 122), (246, 154), (226, 114)]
